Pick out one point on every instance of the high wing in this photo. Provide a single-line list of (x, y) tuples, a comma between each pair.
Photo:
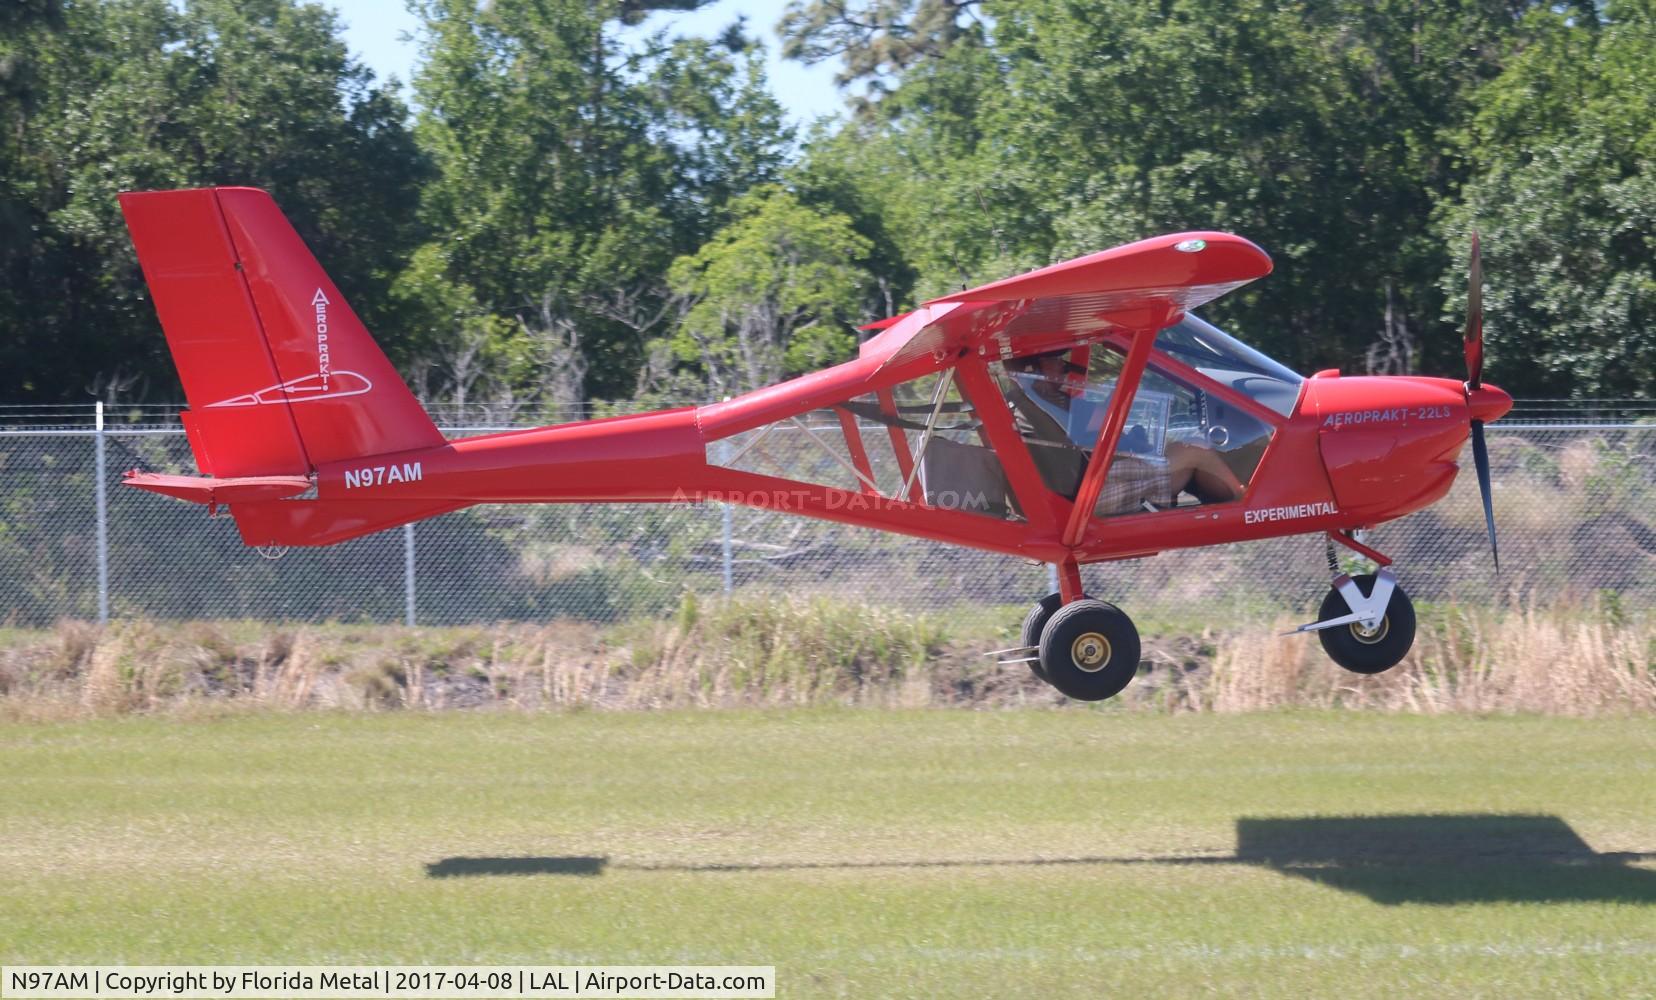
[(1140, 285)]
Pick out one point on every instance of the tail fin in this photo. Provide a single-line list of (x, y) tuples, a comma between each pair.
[(280, 374)]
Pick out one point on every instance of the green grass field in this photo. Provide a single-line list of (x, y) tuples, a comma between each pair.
[(863, 853)]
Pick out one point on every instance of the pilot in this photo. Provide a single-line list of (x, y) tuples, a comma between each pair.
[(1136, 481)]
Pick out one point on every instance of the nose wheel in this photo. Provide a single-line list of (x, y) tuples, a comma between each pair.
[(1373, 645), (1366, 623)]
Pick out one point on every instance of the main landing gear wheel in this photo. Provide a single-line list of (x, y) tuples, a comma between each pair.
[(1368, 651), (1089, 650), (1034, 623)]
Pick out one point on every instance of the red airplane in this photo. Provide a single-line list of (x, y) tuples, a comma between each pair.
[(1076, 414)]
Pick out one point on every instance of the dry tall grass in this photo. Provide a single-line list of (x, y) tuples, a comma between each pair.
[(769, 652), (1562, 661)]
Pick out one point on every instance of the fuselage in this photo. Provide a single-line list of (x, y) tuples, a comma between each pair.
[(1354, 452)]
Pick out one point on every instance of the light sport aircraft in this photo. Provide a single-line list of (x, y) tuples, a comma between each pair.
[(1075, 414)]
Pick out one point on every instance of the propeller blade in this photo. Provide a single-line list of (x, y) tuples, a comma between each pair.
[(1474, 319), (1480, 458)]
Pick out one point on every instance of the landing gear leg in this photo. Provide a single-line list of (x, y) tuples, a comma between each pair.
[(1069, 581)]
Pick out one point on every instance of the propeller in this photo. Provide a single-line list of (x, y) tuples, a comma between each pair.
[(1474, 381)]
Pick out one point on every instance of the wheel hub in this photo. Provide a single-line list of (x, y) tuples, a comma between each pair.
[(1370, 636), (1090, 651)]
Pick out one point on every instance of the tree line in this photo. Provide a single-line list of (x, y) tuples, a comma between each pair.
[(559, 209)]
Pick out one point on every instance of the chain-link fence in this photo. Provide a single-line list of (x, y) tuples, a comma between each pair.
[(1574, 504)]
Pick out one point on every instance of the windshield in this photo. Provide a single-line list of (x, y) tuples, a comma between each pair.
[(1228, 361)]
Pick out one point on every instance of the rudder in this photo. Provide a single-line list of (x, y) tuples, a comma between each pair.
[(280, 374)]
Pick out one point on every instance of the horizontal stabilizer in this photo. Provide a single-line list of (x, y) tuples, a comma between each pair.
[(212, 491), (266, 515)]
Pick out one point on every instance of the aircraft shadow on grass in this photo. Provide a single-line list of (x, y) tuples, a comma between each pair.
[(574, 865), (1432, 859), (1446, 859)]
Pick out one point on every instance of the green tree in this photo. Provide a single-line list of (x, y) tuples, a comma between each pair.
[(571, 170), (875, 41), (771, 294), (134, 94), (28, 34), (1563, 151), (1317, 129), (911, 177)]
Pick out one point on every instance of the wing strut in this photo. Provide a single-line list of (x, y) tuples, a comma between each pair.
[(1109, 435), (944, 379)]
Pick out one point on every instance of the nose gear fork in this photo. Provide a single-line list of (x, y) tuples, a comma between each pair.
[(1367, 611)]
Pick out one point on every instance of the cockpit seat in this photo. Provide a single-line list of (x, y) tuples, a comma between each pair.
[(965, 477)]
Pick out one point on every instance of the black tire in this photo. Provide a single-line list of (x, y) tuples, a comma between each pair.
[(1090, 650), (1034, 623), (1368, 654)]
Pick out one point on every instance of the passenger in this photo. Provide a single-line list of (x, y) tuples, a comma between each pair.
[(1135, 481)]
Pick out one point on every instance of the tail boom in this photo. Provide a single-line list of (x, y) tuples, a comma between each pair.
[(326, 522)]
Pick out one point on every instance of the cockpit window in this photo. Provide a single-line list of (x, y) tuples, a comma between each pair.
[(1073, 388), (1220, 357), (1059, 399), (1181, 444)]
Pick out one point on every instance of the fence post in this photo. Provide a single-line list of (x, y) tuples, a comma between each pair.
[(1052, 577), (408, 574), (729, 555), (102, 493), (726, 544)]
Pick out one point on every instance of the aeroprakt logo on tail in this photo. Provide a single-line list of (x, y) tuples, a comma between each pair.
[(325, 384), (308, 389), (320, 302)]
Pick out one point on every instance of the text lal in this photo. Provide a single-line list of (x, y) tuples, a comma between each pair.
[(564, 981)]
